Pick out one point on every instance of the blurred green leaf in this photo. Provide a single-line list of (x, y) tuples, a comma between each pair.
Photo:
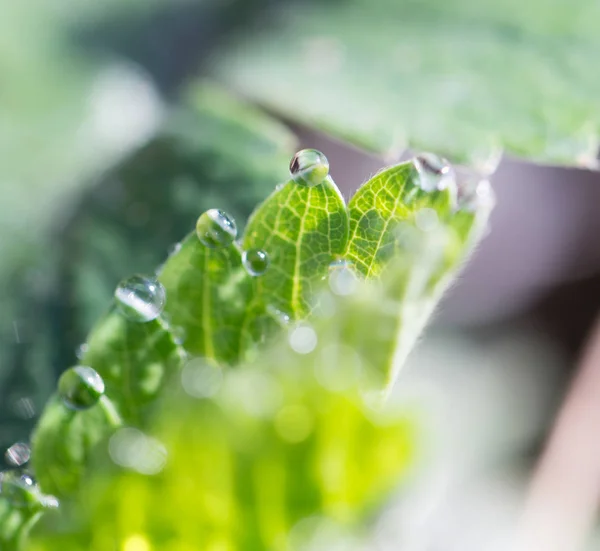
[(461, 77), (272, 447)]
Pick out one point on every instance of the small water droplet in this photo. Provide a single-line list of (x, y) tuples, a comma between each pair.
[(309, 167), (80, 387), (201, 380), (179, 334), (23, 406), (140, 299), (18, 489), (294, 423), (303, 339), (215, 229), (82, 350), (279, 316), (435, 173), (132, 449), (342, 278), (279, 186), (18, 454), (255, 261), (174, 249), (475, 195)]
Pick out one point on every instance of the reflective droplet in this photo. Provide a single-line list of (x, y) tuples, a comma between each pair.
[(18, 454), (81, 350), (342, 278), (280, 317), (80, 387), (294, 423), (215, 228), (303, 339), (200, 379), (19, 489), (132, 449), (309, 167), (255, 261), (140, 299), (174, 249), (435, 173), (475, 194)]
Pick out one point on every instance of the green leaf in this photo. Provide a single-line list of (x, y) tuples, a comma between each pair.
[(413, 241), (461, 77), (14, 525), (208, 292), (290, 435), (302, 229)]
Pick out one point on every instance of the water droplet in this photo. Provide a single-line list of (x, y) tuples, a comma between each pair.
[(475, 194), (279, 316), (81, 350), (174, 249), (140, 299), (342, 278), (18, 454), (294, 423), (23, 407), (435, 173), (80, 387), (18, 488), (255, 261), (303, 339), (309, 167), (179, 334), (200, 379), (132, 449), (426, 219), (215, 228)]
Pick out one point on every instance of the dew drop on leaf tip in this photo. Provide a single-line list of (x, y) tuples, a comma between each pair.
[(140, 299), (80, 387), (435, 173), (309, 167), (256, 261), (215, 229)]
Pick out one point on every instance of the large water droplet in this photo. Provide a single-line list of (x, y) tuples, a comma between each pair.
[(309, 167), (140, 299), (18, 454), (435, 173), (255, 261), (18, 488), (80, 387), (215, 228)]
